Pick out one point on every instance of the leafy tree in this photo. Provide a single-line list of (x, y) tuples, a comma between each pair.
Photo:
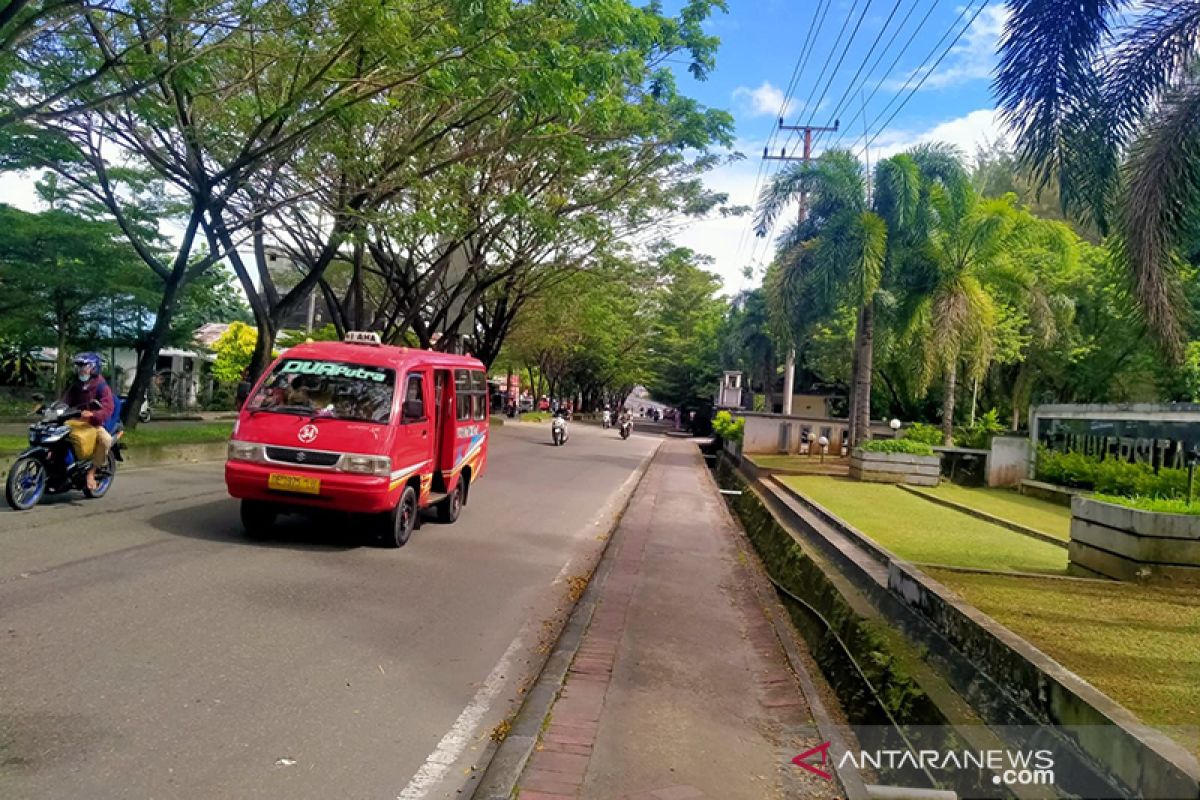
[(60, 276), (684, 345), (1104, 99), (234, 349)]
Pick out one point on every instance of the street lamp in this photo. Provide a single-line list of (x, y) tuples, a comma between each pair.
[(824, 442), (895, 426)]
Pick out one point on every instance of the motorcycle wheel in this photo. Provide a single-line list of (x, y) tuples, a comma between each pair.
[(104, 479), (26, 483)]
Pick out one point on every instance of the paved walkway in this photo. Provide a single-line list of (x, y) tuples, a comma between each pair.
[(680, 688)]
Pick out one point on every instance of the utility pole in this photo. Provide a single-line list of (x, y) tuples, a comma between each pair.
[(789, 367)]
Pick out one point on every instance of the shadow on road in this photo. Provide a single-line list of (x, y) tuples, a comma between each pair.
[(219, 522)]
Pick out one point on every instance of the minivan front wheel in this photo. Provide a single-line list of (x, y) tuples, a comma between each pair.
[(397, 525)]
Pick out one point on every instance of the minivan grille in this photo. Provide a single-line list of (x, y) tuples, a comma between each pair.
[(309, 458)]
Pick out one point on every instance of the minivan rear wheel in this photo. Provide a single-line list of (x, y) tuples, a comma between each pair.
[(449, 509)]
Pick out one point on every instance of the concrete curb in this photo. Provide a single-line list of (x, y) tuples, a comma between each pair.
[(144, 456), (986, 517), (508, 760)]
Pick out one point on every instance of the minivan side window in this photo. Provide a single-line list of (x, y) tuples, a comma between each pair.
[(479, 389), (414, 400), (462, 399)]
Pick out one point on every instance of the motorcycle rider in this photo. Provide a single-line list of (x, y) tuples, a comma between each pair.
[(607, 423), (89, 385), (625, 418)]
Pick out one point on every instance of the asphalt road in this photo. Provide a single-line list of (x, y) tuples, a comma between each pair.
[(148, 650)]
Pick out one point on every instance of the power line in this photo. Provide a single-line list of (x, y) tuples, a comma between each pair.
[(930, 71), (845, 50), (801, 62), (883, 78), (883, 29)]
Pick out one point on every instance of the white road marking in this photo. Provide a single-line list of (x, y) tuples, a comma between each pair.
[(458, 738)]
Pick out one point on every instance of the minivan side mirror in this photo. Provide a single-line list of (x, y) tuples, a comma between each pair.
[(413, 411)]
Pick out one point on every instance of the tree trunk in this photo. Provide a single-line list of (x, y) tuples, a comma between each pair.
[(148, 358), (864, 364), (852, 401), (948, 403), (61, 377), (264, 346), (974, 401)]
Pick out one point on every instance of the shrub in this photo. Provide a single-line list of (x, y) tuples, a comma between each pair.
[(1111, 476), (978, 435), (923, 432), (907, 446), (536, 416), (728, 426), (1161, 505)]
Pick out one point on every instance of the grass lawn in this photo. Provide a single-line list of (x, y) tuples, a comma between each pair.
[(1048, 518), (923, 532), (149, 435), (805, 464), (1139, 645)]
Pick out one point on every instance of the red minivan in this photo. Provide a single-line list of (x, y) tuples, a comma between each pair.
[(376, 431)]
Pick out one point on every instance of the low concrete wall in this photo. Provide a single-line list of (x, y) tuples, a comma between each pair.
[(1138, 756), (1008, 463), (774, 433), (1005, 668), (1132, 545), (150, 456), (895, 468), (1059, 495)]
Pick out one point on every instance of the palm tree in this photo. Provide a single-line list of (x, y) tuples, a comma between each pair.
[(832, 256), (967, 261), (1105, 100)]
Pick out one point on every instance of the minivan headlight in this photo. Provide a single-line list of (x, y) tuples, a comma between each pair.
[(365, 465), (245, 451)]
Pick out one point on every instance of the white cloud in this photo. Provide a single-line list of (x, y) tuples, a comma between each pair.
[(765, 101), (967, 133), (973, 58)]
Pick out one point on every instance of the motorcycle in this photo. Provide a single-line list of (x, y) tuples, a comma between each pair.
[(558, 431), (606, 420), (626, 428), (143, 412), (49, 465)]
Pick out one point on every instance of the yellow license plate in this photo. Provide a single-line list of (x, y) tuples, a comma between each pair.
[(294, 483)]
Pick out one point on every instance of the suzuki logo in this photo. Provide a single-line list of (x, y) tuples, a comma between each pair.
[(307, 434), (301, 456), (802, 762)]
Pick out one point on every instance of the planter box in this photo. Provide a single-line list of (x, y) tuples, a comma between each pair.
[(1131, 545), (895, 468)]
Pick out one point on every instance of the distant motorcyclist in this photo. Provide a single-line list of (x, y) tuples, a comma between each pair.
[(90, 392), (625, 423), (607, 422)]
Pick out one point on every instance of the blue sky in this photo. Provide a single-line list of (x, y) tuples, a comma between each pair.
[(761, 41)]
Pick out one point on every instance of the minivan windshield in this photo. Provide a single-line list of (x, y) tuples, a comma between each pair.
[(328, 389)]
